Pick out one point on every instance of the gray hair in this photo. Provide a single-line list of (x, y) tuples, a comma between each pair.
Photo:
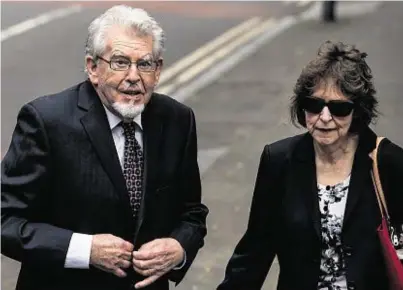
[(135, 18)]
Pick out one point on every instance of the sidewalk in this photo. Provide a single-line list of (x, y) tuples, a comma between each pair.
[(248, 107)]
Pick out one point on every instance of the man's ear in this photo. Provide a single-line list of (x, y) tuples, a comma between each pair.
[(92, 69)]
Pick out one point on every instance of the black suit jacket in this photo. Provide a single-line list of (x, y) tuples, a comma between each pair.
[(61, 175), (285, 218)]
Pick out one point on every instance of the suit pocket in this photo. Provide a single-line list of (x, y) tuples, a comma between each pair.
[(163, 210), (167, 199), (163, 197), (163, 189)]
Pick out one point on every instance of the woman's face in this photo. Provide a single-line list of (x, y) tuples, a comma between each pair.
[(326, 128)]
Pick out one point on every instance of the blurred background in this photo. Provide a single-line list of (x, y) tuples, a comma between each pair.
[(235, 63)]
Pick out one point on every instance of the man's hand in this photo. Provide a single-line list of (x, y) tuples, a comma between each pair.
[(157, 258), (111, 254)]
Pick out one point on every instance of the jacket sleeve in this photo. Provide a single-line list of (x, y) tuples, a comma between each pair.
[(391, 174), (254, 254), (26, 234), (191, 229)]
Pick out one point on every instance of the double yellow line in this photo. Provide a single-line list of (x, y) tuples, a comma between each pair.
[(212, 52)]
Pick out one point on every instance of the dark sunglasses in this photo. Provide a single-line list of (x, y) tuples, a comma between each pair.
[(337, 108)]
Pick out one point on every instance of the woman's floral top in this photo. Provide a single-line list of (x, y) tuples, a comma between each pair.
[(332, 202)]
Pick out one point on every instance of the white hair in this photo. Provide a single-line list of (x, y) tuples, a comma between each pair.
[(134, 18)]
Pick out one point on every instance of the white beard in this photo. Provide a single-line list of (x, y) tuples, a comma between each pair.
[(128, 111)]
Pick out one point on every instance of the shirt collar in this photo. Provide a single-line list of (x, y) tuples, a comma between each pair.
[(114, 120)]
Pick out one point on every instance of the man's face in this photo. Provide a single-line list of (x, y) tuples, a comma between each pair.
[(125, 91)]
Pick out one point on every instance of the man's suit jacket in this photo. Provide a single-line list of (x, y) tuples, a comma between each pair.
[(62, 175), (285, 218)]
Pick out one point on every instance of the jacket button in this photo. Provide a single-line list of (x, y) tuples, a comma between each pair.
[(351, 285), (348, 251)]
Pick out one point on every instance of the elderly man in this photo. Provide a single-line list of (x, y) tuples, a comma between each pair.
[(101, 186)]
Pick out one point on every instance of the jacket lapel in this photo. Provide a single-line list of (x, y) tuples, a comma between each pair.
[(97, 127), (303, 179), (360, 174), (153, 123)]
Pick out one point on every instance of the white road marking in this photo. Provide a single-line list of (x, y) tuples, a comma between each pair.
[(223, 52), (38, 21), (216, 71), (303, 3), (298, 3), (209, 61), (206, 49), (287, 2), (207, 157)]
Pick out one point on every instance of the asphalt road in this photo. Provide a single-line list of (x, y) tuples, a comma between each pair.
[(241, 111)]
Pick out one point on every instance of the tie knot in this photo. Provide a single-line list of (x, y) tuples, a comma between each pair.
[(129, 128)]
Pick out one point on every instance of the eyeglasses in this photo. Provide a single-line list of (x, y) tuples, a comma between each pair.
[(337, 108), (121, 63)]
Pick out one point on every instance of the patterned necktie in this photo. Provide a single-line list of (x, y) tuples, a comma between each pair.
[(133, 166)]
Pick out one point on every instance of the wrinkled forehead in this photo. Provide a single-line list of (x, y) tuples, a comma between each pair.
[(328, 90), (128, 41)]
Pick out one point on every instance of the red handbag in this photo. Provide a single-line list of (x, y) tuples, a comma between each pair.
[(387, 234)]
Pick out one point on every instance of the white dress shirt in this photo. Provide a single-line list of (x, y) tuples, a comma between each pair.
[(79, 251)]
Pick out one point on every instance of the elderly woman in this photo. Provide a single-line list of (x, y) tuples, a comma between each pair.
[(314, 204)]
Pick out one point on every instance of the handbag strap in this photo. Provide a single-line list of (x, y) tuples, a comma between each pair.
[(377, 181)]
